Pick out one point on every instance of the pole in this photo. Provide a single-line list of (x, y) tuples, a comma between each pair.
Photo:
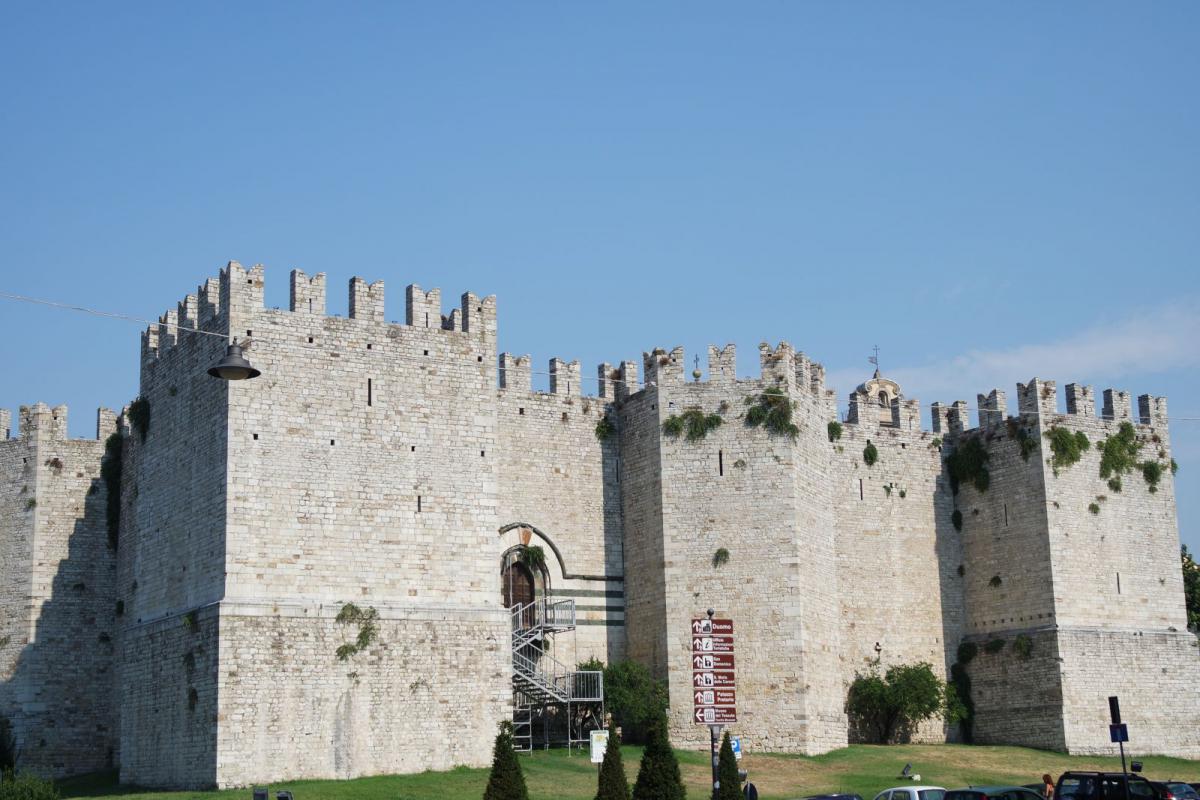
[(1123, 770), (714, 735)]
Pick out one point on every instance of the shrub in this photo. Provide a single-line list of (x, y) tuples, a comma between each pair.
[(1191, 588), (694, 421), (1023, 647), (23, 786), (1118, 453), (967, 652), (870, 454), (834, 429), (604, 428), (367, 629), (1067, 447), (110, 473), (1114, 484), (995, 582), (889, 707), (534, 557), (960, 681), (968, 464), (8, 743), (1094, 508), (721, 557), (994, 646), (773, 411), (1152, 471), (139, 416), (729, 785), (506, 781), (633, 697), (612, 784), (658, 776)]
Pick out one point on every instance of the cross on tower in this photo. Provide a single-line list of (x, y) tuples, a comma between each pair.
[(875, 358)]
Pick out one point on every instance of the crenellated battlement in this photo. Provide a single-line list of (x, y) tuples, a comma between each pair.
[(1039, 398), (40, 421)]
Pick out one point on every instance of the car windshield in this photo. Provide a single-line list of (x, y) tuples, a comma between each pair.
[(1082, 788), (1181, 789), (931, 794)]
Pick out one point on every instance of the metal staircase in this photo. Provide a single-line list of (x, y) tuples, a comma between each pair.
[(546, 691)]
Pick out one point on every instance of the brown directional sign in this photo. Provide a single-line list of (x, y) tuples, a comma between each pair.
[(714, 715), (709, 626), (714, 697), (707, 661), (710, 679), (712, 644)]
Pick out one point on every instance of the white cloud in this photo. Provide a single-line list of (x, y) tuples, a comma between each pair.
[(1144, 343)]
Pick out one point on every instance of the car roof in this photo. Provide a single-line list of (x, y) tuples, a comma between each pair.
[(987, 789), (910, 786)]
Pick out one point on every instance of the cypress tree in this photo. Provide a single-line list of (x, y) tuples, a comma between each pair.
[(658, 777), (727, 772), (613, 783), (506, 782)]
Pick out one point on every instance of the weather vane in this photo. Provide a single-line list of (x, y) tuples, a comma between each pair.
[(875, 358)]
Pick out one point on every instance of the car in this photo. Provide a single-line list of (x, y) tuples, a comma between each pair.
[(1175, 790), (834, 797), (1079, 785), (912, 793), (993, 793)]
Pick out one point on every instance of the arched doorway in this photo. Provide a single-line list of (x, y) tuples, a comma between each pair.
[(518, 584)]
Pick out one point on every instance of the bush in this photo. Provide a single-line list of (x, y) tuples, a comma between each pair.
[(1118, 453), (834, 429), (139, 416), (658, 776), (694, 421), (772, 411), (968, 464), (870, 454), (889, 707), (1067, 447), (612, 783), (23, 786), (110, 473), (8, 743), (506, 781), (604, 428), (634, 698), (727, 772), (1152, 471), (1191, 587)]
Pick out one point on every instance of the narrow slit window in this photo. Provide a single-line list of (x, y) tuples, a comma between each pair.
[(721, 462), (370, 392), (418, 504), (1006, 515), (427, 325), (1118, 583), (860, 489)]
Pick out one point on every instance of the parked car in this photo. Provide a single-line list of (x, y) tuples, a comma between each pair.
[(834, 797), (912, 793), (993, 793), (1175, 790), (1103, 786)]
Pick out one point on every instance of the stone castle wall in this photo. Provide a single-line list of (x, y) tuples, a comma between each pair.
[(57, 604), (393, 466)]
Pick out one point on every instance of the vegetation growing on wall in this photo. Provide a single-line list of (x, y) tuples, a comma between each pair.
[(773, 411), (721, 557), (968, 464), (694, 422), (604, 428), (1023, 647), (834, 429), (994, 646), (956, 519), (533, 557), (870, 454), (110, 473), (139, 416), (1152, 472), (1118, 453), (367, 629), (1067, 447)]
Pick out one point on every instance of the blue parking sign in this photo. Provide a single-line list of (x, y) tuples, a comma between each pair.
[(1118, 732)]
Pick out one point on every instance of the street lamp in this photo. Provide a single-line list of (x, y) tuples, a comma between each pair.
[(234, 366)]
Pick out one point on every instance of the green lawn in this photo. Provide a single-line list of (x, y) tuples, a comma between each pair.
[(556, 775)]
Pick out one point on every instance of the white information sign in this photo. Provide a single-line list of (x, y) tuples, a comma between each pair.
[(599, 745)]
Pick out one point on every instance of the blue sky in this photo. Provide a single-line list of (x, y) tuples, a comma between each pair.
[(987, 192)]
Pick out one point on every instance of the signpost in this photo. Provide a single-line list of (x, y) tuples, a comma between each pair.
[(714, 685), (1119, 734)]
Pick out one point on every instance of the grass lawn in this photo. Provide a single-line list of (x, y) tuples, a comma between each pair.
[(555, 775)]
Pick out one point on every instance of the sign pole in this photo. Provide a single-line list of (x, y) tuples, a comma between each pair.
[(714, 745), (1114, 711)]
